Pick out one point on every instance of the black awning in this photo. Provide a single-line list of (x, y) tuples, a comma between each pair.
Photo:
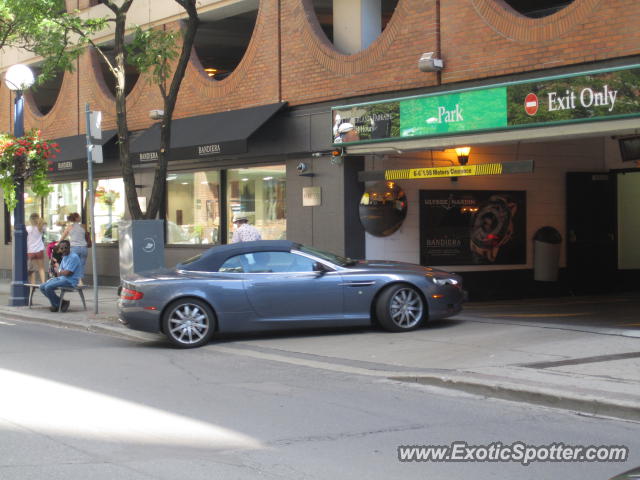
[(73, 151), (224, 133)]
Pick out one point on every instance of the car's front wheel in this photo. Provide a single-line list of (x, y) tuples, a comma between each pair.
[(400, 308), (188, 323)]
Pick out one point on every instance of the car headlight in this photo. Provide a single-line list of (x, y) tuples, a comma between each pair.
[(445, 281)]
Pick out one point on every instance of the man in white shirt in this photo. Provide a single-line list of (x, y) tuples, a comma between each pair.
[(244, 232)]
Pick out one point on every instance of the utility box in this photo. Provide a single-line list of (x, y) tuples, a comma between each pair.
[(141, 245), (546, 254)]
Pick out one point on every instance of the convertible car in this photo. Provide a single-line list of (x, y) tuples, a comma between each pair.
[(281, 284)]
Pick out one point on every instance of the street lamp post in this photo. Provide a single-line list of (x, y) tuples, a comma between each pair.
[(19, 78)]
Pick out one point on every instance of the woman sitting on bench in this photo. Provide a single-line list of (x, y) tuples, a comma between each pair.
[(68, 273)]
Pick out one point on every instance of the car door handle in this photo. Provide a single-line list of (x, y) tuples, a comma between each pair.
[(358, 284)]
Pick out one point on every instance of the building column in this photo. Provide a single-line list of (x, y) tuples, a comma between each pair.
[(356, 24)]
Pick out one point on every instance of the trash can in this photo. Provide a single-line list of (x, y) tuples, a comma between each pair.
[(546, 254)]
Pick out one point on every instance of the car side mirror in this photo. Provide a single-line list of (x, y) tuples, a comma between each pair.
[(320, 269)]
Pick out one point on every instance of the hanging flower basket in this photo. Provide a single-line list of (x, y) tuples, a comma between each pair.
[(108, 197), (25, 158)]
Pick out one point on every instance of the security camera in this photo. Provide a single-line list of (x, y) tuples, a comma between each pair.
[(429, 63), (302, 168), (156, 114)]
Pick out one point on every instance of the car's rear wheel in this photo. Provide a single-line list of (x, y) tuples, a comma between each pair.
[(400, 308), (188, 323)]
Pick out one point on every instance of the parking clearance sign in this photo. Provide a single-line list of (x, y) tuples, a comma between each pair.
[(523, 166), (439, 172)]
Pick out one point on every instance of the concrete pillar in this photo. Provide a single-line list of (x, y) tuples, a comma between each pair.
[(356, 24)]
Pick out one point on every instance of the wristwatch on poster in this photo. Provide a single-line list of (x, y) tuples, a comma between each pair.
[(492, 226)]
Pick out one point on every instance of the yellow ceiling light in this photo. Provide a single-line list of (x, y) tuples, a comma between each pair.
[(463, 154)]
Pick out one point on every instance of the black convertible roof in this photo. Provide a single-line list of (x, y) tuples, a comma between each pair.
[(212, 259)]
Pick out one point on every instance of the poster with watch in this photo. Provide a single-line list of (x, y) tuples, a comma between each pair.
[(472, 227)]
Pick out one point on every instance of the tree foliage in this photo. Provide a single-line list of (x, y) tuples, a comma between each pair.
[(44, 28), (152, 51)]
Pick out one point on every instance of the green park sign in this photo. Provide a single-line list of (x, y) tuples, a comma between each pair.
[(598, 95)]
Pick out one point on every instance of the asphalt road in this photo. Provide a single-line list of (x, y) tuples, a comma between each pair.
[(77, 405)]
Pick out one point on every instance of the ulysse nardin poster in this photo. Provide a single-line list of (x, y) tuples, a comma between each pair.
[(472, 227)]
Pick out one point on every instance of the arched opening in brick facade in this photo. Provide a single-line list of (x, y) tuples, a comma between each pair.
[(538, 8), (45, 94), (131, 72), (324, 10), (223, 37)]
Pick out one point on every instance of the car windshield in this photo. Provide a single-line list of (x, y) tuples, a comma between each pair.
[(330, 257)]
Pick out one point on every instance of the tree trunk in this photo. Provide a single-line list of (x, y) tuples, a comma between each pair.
[(159, 179), (121, 108)]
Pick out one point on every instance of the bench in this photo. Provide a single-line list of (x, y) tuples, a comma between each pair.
[(36, 286)]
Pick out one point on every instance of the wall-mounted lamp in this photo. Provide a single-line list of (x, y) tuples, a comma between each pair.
[(156, 114), (463, 154), (429, 62)]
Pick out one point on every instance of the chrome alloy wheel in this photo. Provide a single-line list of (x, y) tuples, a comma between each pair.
[(406, 308), (188, 323)]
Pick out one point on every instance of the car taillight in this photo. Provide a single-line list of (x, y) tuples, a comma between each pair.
[(128, 294)]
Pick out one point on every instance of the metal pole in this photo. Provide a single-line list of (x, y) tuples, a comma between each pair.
[(91, 205), (18, 296)]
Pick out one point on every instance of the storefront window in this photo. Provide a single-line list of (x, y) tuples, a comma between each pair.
[(108, 209), (259, 194), (64, 199), (193, 208), (32, 204)]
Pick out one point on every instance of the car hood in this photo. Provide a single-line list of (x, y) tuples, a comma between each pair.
[(379, 265)]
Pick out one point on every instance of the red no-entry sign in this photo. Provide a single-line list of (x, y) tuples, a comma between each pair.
[(531, 104)]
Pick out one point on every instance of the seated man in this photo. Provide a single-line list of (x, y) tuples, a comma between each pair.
[(68, 273)]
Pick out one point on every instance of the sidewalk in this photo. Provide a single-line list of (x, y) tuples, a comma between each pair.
[(591, 370), (106, 320)]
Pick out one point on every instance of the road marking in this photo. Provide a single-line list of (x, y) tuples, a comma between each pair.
[(9, 324), (537, 315)]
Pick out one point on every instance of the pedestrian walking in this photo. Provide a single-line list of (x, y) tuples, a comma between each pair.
[(35, 248), (244, 232), (77, 236)]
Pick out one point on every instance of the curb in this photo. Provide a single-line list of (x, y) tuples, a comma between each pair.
[(112, 327), (521, 392)]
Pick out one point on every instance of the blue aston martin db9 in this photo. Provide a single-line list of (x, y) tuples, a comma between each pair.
[(281, 284)]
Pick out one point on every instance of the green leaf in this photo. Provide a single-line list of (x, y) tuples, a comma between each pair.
[(153, 51)]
